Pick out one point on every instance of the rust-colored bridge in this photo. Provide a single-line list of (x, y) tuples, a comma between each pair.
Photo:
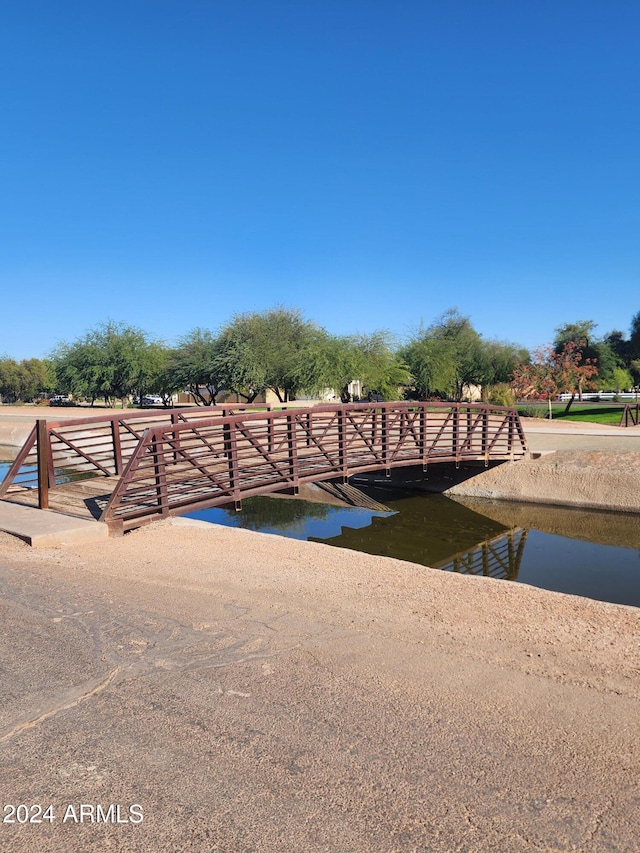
[(130, 468)]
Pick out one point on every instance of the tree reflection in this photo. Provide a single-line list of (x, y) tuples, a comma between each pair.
[(282, 514)]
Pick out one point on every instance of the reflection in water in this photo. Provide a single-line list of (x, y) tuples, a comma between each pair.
[(548, 547), (497, 558), (290, 517)]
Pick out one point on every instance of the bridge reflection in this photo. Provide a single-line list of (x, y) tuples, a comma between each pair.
[(500, 557)]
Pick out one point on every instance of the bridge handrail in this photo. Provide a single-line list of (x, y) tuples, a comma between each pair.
[(221, 460), (630, 415), (384, 434), (95, 445)]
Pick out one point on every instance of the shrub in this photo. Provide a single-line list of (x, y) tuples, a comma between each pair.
[(532, 411), (500, 395)]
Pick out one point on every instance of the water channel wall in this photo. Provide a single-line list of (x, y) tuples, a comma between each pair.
[(13, 435), (595, 480)]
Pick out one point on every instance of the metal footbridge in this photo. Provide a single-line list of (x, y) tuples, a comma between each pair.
[(126, 469)]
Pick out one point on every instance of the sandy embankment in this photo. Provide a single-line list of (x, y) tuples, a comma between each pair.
[(256, 693)]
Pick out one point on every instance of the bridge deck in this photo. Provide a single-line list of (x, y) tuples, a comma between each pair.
[(83, 499)]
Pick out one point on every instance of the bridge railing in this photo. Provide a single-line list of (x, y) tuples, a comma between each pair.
[(630, 415), (222, 460), (60, 451)]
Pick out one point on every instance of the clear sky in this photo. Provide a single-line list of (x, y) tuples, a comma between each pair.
[(168, 163)]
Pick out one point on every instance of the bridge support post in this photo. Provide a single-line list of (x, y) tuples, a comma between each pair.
[(292, 449), (511, 436), (271, 435), (424, 453), (455, 433), (117, 447), (176, 436), (342, 446), (231, 452), (43, 464), (161, 475), (485, 437), (384, 439)]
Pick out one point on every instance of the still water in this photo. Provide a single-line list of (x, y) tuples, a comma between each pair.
[(582, 552)]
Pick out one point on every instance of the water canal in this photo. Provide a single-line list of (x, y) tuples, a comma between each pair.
[(581, 552)]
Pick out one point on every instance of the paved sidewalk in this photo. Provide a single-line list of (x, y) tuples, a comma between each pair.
[(42, 528), (560, 435)]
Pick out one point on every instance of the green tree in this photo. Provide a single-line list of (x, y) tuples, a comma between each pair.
[(620, 380), (192, 366), (610, 368), (108, 362), (155, 376), (619, 345), (582, 331), (502, 358), (432, 365), (634, 338), (237, 361), (383, 368), (446, 357), (26, 380), (338, 360), (277, 349)]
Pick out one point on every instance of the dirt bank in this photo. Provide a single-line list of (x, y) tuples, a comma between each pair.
[(594, 479), (249, 692), (256, 693)]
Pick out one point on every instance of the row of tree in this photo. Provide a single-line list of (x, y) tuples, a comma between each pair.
[(282, 351)]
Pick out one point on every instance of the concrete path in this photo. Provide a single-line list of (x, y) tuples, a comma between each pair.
[(544, 436), (47, 529)]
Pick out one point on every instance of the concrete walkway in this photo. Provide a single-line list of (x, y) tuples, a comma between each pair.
[(43, 528), (563, 435)]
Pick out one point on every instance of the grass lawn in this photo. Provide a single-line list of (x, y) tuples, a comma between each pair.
[(596, 413)]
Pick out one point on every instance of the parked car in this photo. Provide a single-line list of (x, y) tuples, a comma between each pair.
[(149, 400), (60, 400)]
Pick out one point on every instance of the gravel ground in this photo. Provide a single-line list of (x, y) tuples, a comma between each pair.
[(252, 693)]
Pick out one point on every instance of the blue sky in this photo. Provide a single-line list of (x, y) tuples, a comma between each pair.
[(168, 163)]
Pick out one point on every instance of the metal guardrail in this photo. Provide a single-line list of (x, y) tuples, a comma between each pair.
[(60, 451)]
